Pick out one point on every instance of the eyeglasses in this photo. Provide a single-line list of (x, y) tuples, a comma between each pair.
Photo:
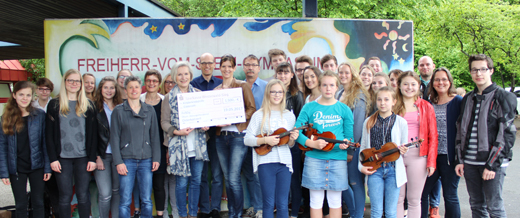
[(71, 81), (300, 70), (276, 92), (169, 82), (151, 81), (482, 70), (122, 77), (441, 80), (206, 63), (251, 65), (44, 89)]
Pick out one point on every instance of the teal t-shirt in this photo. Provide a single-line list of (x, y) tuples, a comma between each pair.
[(336, 118)]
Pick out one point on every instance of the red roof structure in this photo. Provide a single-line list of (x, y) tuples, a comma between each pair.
[(12, 71)]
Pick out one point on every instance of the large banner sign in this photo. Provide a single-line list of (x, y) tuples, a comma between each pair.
[(105, 46)]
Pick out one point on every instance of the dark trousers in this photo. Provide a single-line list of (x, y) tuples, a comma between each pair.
[(158, 191), (19, 187), (485, 196), (450, 184), (296, 180), (74, 172), (51, 189)]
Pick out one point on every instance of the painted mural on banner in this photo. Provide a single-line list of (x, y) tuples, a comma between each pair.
[(105, 46)]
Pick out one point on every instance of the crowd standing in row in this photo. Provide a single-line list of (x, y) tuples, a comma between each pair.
[(133, 142)]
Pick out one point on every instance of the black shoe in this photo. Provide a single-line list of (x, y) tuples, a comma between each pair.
[(344, 210), (205, 215), (137, 214), (214, 214)]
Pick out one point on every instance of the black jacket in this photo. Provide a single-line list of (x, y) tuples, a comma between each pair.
[(103, 133), (294, 103), (52, 126), (495, 120), (9, 151)]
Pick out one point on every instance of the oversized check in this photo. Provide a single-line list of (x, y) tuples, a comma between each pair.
[(210, 108)]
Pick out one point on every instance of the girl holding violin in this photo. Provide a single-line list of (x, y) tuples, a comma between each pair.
[(382, 127), (355, 96), (326, 170), (294, 103), (419, 162), (275, 168)]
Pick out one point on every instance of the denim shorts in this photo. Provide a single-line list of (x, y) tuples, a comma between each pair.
[(325, 174)]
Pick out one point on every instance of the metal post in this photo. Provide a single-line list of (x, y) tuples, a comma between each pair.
[(310, 8)]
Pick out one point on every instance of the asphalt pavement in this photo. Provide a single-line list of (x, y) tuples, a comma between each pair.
[(511, 192)]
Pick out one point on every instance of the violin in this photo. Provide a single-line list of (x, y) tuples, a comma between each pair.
[(389, 152), (284, 137), (326, 136)]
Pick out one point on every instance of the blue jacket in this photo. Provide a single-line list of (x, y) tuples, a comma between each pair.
[(9, 152)]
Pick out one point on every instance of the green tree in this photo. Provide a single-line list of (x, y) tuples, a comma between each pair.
[(36, 67), (447, 30), (461, 28)]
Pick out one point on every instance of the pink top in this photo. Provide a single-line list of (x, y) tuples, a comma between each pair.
[(412, 118)]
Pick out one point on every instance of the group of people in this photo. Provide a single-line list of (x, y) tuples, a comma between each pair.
[(133, 144)]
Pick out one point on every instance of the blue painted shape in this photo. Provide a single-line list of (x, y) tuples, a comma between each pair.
[(220, 25), (262, 24)]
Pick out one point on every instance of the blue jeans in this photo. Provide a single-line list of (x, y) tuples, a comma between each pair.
[(142, 170), (485, 196), (296, 180), (354, 197), (382, 188), (275, 187), (450, 184), (253, 184), (231, 151), (194, 191), (217, 179), (107, 181), (435, 194)]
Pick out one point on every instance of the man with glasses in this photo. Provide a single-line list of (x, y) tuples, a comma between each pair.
[(301, 63), (207, 82), (485, 137), (426, 67), (251, 69)]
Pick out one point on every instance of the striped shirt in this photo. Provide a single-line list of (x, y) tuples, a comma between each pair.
[(279, 154), (381, 132), (471, 152)]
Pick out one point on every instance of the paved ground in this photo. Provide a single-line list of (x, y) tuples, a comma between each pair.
[(511, 192)]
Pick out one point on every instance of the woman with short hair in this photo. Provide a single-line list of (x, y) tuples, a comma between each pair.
[(134, 137), (187, 147)]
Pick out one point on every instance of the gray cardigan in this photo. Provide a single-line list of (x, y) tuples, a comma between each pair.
[(134, 136), (399, 137)]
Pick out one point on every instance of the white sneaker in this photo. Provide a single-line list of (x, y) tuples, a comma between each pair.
[(258, 214), (250, 212)]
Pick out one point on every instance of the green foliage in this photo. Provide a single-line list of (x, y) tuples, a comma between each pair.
[(34, 66), (446, 30), (466, 27)]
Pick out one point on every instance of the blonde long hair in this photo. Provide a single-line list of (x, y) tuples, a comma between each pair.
[(266, 103), (82, 103), (356, 86)]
